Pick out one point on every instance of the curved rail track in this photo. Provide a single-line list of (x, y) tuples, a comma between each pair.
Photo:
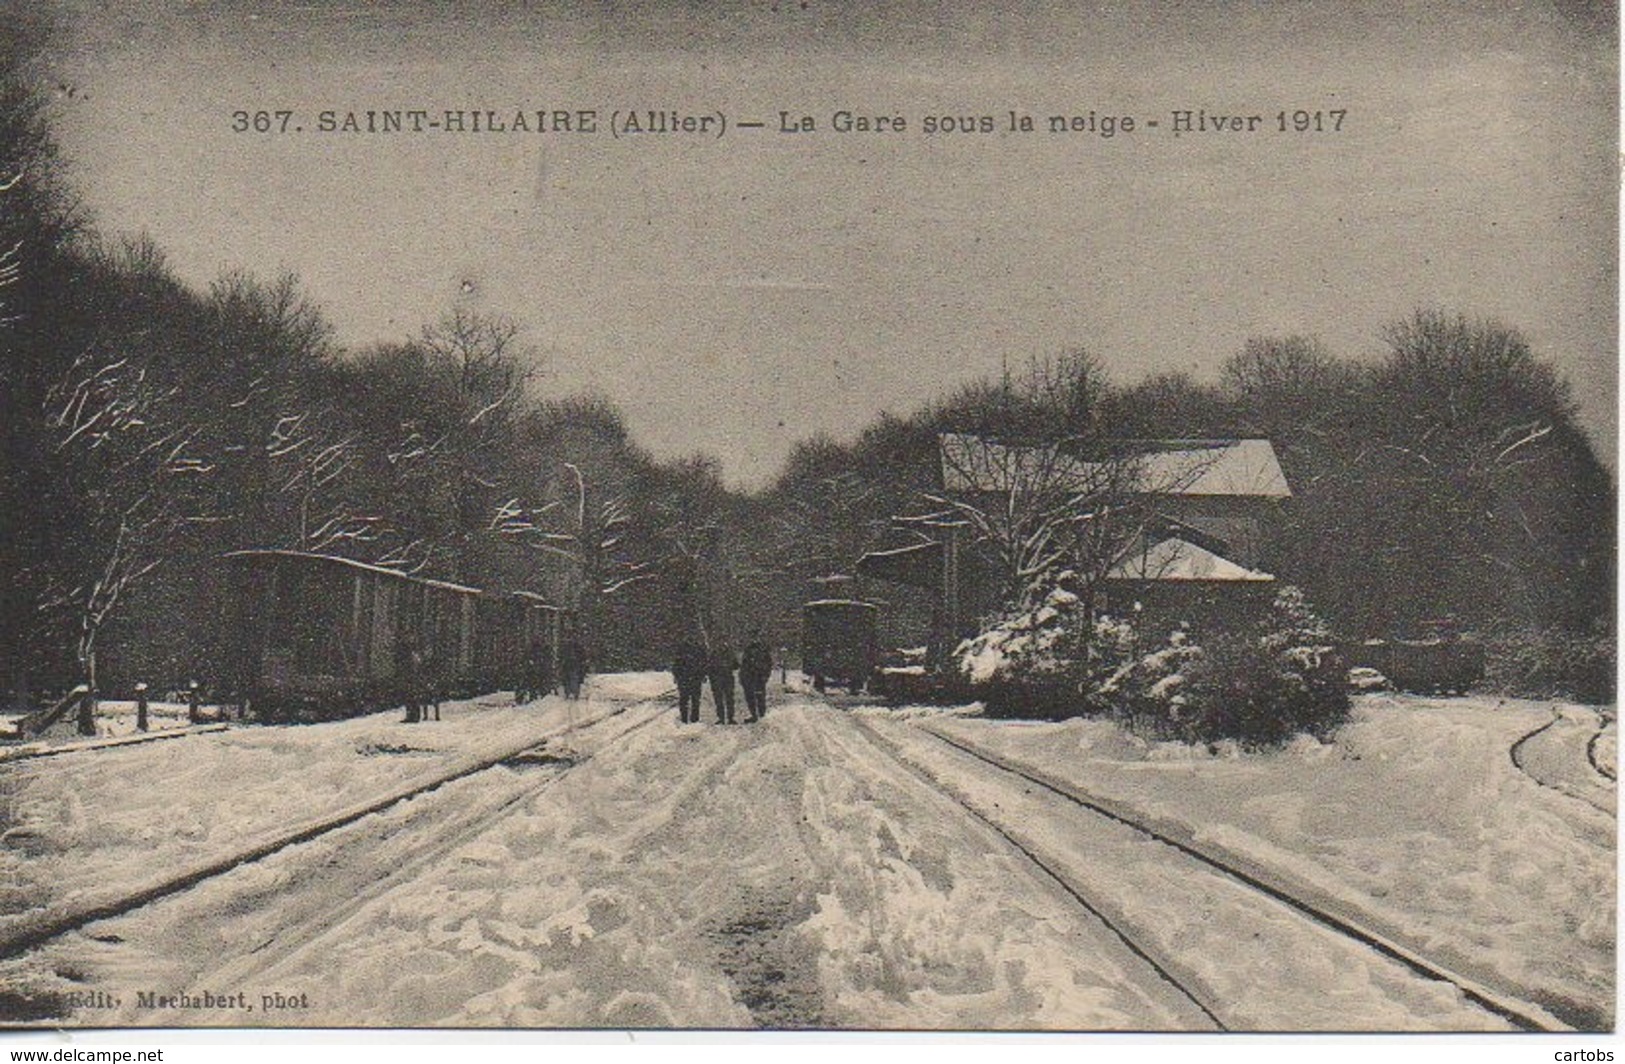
[(1515, 751), (1523, 1015), (1561, 786), (1605, 771), (39, 928)]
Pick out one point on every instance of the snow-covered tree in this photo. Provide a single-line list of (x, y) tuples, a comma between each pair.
[(126, 437)]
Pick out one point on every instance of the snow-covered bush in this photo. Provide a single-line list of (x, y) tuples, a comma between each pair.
[(1048, 661), (1148, 691), (1258, 686), (1027, 644), (1028, 663)]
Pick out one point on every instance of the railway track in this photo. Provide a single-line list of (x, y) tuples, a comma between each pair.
[(1159, 970), (288, 941), (31, 752), (1603, 770), (1555, 781), (39, 928), (1520, 1014)]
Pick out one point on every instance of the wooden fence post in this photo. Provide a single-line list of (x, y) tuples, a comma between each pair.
[(140, 707), (192, 715)]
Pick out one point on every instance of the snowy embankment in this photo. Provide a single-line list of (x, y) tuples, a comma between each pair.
[(114, 722), (99, 823), (118, 719), (1415, 818)]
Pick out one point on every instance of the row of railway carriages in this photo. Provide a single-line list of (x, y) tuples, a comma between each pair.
[(319, 636)]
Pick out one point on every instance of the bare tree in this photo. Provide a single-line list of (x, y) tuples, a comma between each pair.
[(824, 510), (438, 437), (482, 357), (1044, 508), (314, 453), (589, 528)]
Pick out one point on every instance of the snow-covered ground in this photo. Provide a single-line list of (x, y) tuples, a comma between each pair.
[(784, 874), (78, 827), (637, 872), (1415, 817), (114, 720)]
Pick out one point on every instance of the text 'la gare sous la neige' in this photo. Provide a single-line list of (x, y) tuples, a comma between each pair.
[(675, 122)]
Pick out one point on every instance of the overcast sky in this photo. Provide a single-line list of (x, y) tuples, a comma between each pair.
[(735, 295)]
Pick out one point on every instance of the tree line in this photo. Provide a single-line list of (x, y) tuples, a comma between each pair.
[(1441, 477), (151, 428)]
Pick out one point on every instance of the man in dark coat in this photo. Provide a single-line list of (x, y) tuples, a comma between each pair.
[(542, 679), (754, 669), (720, 668), (524, 688), (409, 675), (572, 667), (428, 685), (688, 669)]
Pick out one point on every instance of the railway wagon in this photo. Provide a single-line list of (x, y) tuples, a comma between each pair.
[(1426, 666), (838, 642), (506, 626), (543, 624), (315, 636)]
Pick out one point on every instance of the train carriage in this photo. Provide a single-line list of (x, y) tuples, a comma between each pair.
[(498, 645), (543, 625), (838, 642), (315, 636)]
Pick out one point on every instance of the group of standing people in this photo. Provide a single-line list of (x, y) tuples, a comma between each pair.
[(541, 679), (694, 666)]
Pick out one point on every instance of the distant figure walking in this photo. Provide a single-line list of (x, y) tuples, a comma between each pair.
[(543, 678), (428, 690), (572, 667), (688, 668), (537, 681), (720, 668), (523, 688), (754, 669)]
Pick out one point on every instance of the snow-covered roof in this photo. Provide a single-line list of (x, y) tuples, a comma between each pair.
[(1247, 468), (1179, 559), (1216, 467)]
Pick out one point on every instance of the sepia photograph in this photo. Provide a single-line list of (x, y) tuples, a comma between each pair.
[(809, 516)]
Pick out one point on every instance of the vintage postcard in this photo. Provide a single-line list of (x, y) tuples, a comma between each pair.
[(809, 515)]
